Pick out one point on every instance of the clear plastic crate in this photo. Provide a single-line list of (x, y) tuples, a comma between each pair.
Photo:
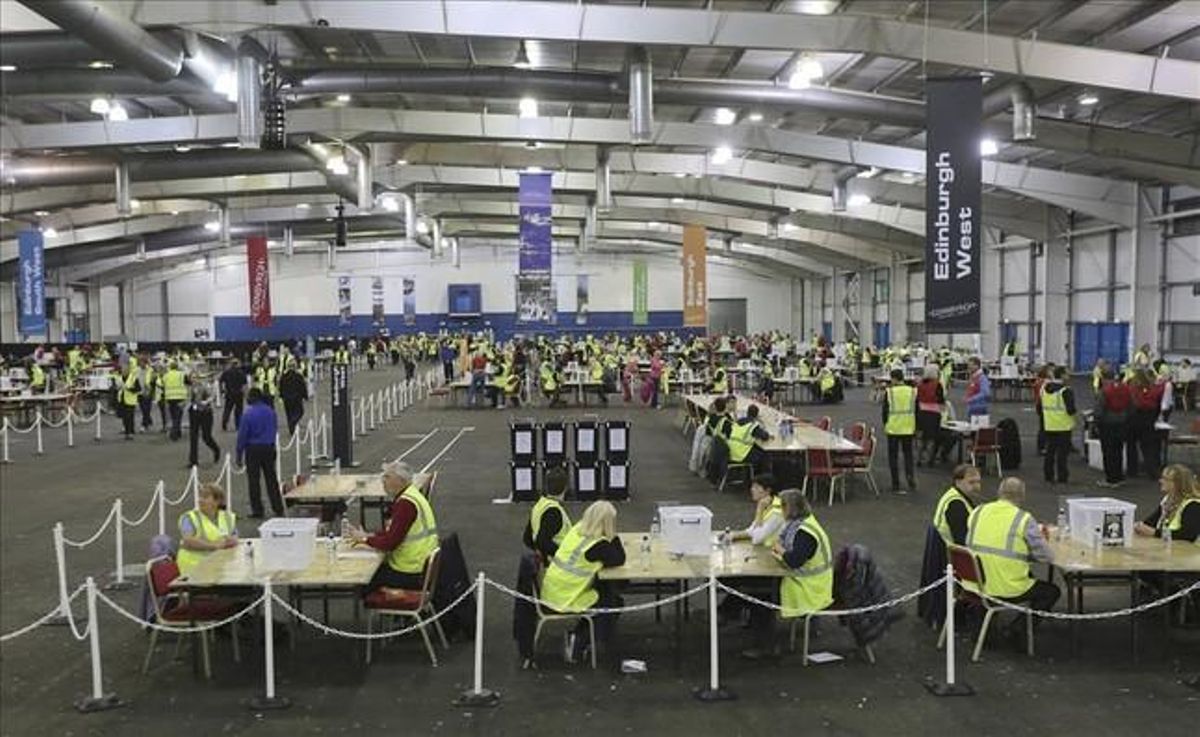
[(686, 530), (286, 543), (1113, 517)]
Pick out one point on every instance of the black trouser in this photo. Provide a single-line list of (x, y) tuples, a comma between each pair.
[(293, 412), (127, 412), (395, 358), (162, 414), (409, 368), (448, 371), (387, 576), (200, 425), (929, 426), (260, 459), (1041, 436), (762, 619), (233, 405), (175, 407), (1040, 597), (146, 404), (1147, 440), (1054, 465), (1112, 438), (606, 624), (371, 361), (897, 444)]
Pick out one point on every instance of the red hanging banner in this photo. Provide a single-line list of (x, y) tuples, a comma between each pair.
[(259, 281)]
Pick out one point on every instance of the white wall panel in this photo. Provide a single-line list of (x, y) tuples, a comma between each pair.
[(1090, 261)]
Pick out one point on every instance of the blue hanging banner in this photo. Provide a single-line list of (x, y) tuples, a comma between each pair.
[(533, 199), (32, 283)]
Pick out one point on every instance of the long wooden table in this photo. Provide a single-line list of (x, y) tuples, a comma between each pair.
[(805, 436), (233, 568), (334, 490), (1081, 567), (744, 559)]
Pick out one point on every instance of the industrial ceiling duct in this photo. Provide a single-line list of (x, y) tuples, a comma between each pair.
[(249, 93), (1024, 113), (124, 198), (604, 200), (641, 97)]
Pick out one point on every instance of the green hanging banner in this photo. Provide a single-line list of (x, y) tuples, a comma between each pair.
[(641, 299)]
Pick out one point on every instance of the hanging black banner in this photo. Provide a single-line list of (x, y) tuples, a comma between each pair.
[(953, 254)]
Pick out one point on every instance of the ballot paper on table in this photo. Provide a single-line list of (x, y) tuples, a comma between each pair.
[(356, 554)]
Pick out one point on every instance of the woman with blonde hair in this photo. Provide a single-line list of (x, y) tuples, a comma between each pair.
[(1179, 510), (206, 528), (570, 584)]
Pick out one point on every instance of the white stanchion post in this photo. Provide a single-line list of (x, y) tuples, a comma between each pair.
[(98, 413), (337, 466), (60, 561), (70, 428), (98, 701), (324, 435), (479, 696), (269, 700), (713, 692), (161, 492), (296, 445), (371, 411), (38, 424), (119, 581), (193, 481), (312, 441), (4, 433), (951, 687), (278, 463)]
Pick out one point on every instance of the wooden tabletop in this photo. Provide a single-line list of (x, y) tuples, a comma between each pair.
[(805, 436), (36, 397), (745, 559), (1145, 554), (326, 487), (230, 568)]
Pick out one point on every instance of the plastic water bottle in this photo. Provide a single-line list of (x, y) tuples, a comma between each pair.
[(726, 546), (1096, 535), (345, 528), (1166, 535), (645, 552), (248, 551), (331, 548), (1061, 526)]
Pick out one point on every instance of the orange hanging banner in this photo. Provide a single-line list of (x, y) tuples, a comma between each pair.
[(695, 276)]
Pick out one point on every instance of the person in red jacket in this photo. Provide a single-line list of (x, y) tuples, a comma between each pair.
[(931, 398), (1112, 412), (1147, 398)]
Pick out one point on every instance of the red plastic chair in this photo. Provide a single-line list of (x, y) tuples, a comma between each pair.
[(409, 604), (180, 611), (819, 465), (856, 433), (860, 463), (985, 442), (968, 575), (825, 423)]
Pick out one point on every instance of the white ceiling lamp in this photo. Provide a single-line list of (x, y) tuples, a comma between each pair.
[(302, 206), (231, 144), (677, 200), (49, 232), (99, 105), (1087, 99), (401, 162), (522, 60), (653, 224), (343, 98), (8, 68), (870, 173), (533, 170), (41, 213), (907, 176), (756, 117), (679, 174), (390, 204), (724, 116), (422, 227), (858, 200), (100, 64), (988, 147), (182, 148), (226, 85), (528, 106), (212, 226), (811, 67), (117, 113), (799, 80), (336, 163), (721, 155), (135, 204), (817, 7)]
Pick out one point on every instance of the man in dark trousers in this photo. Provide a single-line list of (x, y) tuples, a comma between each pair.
[(233, 387), (1058, 418), (256, 451), (200, 422), (293, 390)]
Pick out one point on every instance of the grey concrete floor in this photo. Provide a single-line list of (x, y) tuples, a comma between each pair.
[(1099, 692)]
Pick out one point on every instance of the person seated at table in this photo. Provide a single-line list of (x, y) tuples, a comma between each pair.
[(954, 508), (1006, 557), (830, 386), (410, 536), (549, 381), (1179, 509), (718, 426), (744, 437), (804, 549), (570, 584), (548, 520), (767, 389), (596, 374), (720, 382), (206, 528), (768, 513)]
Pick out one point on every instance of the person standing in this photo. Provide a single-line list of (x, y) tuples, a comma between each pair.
[(175, 393), (127, 400), (256, 451), (200, 422), (656, 378), (148, 381), (1111, 413), (900, 424), (931, 396), (1058, 417), (979, 389), (293, 390), (1143, 437), (447, 355), (233, 388)]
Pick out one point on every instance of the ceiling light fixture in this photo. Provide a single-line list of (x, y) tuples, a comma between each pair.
[(799, 81), (390, 204), (226, 85), (182, 148), (117, 113), (907, 176), (8, 68), (522, 61), (528, 107), (533, 170), (679, 174), (401, 162), (135, 204), (343, 98), (756, 117), (212, 226), (100, 64), (811, 68), (302, 206), (988, 147), (867, 173), (1088, 99), (721, 155), (858, 200), (99, 106), (231, 144), (41, 213), (49, 232), (422, 227), (677, 200), (724, 116)]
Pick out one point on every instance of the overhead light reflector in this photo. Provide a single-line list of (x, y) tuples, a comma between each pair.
[(721, 155), (724, 116), (988, 147), (99, 106), (858, 200), (117, 112), (528, 107)]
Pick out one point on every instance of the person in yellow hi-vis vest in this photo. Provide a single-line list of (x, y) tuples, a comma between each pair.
[(1007, 539), (569, 583), (204, 529), (1179, 510), (803, 548), (900, 425), (1058, 416), (127, 399), (175, 394), (411, 535), (548, 520)]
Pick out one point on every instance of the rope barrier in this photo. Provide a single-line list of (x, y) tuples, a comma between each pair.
[(941, 581), (1111, 614), (53, 613), (107, 521), (184, 630), (374, 635), (602, 610), (149, 508)]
